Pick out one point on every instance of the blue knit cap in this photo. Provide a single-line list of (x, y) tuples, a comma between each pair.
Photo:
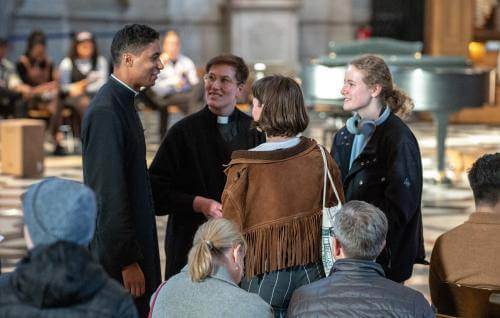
[(59, 210)]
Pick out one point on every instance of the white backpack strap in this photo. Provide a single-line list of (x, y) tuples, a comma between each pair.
[(327, 173)]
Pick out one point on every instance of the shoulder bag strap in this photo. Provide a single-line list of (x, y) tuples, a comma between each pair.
[(328, 174), (155, 295)]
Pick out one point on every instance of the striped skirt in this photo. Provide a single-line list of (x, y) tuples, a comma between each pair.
[(277, 287)]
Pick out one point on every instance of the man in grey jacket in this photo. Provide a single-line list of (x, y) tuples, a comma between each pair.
[(356, 286)]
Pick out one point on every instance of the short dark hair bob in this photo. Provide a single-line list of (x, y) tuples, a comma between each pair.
[(284, 113)]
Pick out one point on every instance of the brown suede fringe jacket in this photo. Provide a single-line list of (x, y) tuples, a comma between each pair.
[(275, 197)]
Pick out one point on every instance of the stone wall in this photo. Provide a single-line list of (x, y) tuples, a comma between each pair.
[(204, 25)]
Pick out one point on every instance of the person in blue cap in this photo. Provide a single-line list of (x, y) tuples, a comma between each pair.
[(59, 277)]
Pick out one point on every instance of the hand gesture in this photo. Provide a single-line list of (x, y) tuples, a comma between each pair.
[(210, 208), (133, 280)]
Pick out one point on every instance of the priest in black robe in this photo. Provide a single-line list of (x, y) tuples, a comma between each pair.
[(114, 166), (187, 173)]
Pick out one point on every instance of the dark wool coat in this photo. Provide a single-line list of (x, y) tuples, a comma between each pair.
[(388, 174), (190, 162), (62, 280), (358, 288), (114, 166)]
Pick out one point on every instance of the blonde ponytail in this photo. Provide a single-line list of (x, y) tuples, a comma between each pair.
[(212, 240), (200, 261)]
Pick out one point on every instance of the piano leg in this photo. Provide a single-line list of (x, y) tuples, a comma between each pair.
[(441, 120)]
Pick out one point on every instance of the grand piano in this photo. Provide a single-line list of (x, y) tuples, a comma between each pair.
[(440, 85)]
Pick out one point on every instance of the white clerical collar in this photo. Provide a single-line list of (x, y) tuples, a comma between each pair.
[(124, 84), (222, 120)]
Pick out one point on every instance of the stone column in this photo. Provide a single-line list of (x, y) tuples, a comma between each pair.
[(147, 10), (265, 31), (322, 21)]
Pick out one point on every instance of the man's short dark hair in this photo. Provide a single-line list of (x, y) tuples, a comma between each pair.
[(3, 42), (240, 68), (131, 39), (484, 179)]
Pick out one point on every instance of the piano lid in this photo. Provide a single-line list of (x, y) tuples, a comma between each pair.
[(432, 89), (434, 82)]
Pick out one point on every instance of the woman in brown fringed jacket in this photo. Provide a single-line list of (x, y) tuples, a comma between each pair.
[(274, 194)]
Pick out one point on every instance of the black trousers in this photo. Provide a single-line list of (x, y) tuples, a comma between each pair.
[(277, 287)]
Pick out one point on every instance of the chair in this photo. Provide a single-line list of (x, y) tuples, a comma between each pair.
[(465, 301)]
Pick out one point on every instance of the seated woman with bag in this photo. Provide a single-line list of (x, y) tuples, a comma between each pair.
[(274, 193), (207, 286)]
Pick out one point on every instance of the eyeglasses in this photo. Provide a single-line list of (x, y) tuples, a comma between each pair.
[(223, 80)]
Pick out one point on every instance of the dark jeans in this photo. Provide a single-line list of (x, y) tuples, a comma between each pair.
[(78, 105), (277, 287)]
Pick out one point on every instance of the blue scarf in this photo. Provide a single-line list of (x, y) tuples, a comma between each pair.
[(360, 140)]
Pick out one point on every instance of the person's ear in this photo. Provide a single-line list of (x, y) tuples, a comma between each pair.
[(376, 90), (337, 248), (27, 238), (236, 254), (128, 59), (240, 88)]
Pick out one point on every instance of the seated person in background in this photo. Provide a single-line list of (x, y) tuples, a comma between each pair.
[(177, 83), (208, 285), (59, 277), (356, 286), (469, 254), (11, 87), (82, 73), (36, 71)]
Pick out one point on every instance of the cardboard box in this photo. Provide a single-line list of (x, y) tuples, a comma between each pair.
[(21, 143)]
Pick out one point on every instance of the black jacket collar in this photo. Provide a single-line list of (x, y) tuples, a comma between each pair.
[(369, 151), (59, 274), (357, 266)]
